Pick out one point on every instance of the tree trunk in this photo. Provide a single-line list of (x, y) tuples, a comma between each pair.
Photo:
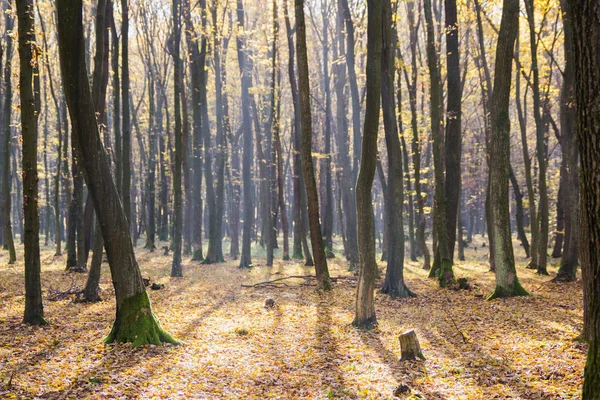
[(559, 232), (316, 239), (351, 207), (365, 305), (246, 79), (30, 107), (135, 321), (519, 213), (442, 261), (415, 142), (298, 205), (7, 234), (507, 283), (345, 172), (216, 237), (176, 267), (586, 49), (568, 115), (541, 146), (453, 143), (328, 213), (126, 176), (394, 201)]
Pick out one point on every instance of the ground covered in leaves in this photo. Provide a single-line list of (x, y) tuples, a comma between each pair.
[(304, 346)]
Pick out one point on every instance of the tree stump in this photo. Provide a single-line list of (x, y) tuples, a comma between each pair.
[(411, 350)]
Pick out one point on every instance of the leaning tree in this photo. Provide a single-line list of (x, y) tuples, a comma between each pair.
[(135, 322)]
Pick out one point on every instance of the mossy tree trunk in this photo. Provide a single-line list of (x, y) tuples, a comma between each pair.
[(134, 321), (365, 305), (507, 283), (30, 107), (316, 239)]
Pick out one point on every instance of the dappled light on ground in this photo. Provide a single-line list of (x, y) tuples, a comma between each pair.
[(304, 346)]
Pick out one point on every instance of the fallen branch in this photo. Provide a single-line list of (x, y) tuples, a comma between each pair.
[(271, 283)]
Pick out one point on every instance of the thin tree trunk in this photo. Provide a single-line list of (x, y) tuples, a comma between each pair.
[(246, 81), (568, 115), (316, 239), (9, 243), (176, 267), (507, 283), (394, 203), (365, 305), (442, 264), (30, 107)]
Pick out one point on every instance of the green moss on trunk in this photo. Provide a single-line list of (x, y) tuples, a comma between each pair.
[(197, 256), (135, 323), (514, 291), (445, 274)]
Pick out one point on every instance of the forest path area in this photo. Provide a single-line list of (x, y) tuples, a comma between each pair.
[(303, 347)]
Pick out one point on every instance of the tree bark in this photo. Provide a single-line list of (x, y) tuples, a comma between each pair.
[(568, 118), (135, 321), (442, 262), (586, 49), (246, 80), (316, 239), (7, 234), (394, 201), (507, 283), (176, 267), (30, 107), (365, 305), (453, 145)]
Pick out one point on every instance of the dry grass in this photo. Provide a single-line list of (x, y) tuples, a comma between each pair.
[(304, 347)]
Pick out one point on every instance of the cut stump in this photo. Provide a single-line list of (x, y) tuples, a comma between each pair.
[(411, 350)]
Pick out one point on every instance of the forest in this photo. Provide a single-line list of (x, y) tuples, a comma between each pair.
[(300, 199)]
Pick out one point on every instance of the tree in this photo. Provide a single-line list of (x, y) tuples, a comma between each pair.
[(99, 86), (246, 78), (350, 174), (365, 306), (442, 264), (541, 146), (30, 107), (453, 145), (568, 143), (175, 42), (134, 321), (299, 205), (507, 283), (126, 121), (316, 239), (586, 51), (394, 276), (7, 234)]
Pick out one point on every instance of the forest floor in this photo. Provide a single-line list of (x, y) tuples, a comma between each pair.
[(304, 347)]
